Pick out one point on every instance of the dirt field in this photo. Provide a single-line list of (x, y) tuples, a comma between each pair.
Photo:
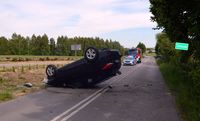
[(31, 63), (13, 76)]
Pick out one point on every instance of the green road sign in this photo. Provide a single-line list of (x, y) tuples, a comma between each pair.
[(181, 46)]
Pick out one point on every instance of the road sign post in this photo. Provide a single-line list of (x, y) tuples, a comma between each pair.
[(181, 46), (76, 47)]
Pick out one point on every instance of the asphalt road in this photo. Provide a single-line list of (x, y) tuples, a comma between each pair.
[(138, 94)]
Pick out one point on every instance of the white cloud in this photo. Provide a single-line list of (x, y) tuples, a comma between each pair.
[(95, 17)]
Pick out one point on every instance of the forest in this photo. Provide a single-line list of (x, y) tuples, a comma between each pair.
[(43, 45)]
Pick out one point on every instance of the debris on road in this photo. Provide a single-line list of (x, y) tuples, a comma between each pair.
[(126, 85), (110, 87), (28, 85)]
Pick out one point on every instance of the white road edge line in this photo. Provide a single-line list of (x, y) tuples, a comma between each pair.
[(83, 106), (83, 103), (75, 106)]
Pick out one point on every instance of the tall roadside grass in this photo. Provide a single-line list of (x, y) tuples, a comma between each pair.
[(5, 94), (181, 82)]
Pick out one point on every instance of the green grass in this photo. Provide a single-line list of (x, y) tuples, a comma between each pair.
[(181, 86), (10, 90), (5, 95)]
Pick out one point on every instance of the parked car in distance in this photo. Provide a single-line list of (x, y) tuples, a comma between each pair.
[(136, 53), (95, 67), (129, 60)]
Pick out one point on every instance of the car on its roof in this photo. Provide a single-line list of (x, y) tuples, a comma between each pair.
[(96, 66)]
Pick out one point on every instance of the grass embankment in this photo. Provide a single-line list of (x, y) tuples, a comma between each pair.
[(4, 93), (181, 84), (12, 81)]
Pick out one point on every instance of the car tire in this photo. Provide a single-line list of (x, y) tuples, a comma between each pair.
[(139, 60), (91, 54), (51, 71)]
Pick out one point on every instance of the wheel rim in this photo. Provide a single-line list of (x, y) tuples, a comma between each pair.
[(90, 54), (50, 71)]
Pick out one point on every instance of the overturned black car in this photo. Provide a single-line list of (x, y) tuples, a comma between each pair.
[(95, 67)]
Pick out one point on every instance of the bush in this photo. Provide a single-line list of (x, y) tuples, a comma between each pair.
[(14, 59), (22, 69), (47, 58), (27, 59), (186, 87), (7, 58), (21, 59), (195, 75), (13, 69), (1, 80), (41, 59)]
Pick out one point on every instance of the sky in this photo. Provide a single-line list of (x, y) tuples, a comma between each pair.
[(126, 21)]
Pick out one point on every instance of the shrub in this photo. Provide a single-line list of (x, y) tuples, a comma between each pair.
[(29, 67), (27, 59), (55, 59), (7, 58), (22, 69), (14, 59), (1, 80), (41, 59), (5, 95), (47, 58), (21, 59), (13, 69), (195, 76), (186, 87)]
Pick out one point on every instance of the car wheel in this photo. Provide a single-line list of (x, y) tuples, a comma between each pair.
[(139, 61), (91, 54), (51, 70), (135, 62)]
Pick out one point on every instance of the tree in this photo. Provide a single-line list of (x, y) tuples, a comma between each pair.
[(142, 46), (180, 20), (4, 46), (164, 46), (61, 48), (18, 45), (44, 45), (33, 45), (41, 45)]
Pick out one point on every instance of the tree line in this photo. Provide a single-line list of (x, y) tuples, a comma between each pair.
[(43, 45)]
